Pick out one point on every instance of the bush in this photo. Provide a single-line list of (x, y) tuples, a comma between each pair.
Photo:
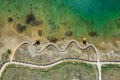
[(10, 19), (8, 51), (20, 28)]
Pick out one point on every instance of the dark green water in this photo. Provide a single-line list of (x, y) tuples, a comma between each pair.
[(79, 16)]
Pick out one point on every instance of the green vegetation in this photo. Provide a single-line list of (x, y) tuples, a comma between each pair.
[(5, 56), (111, 72), (109, 66), (83, 18), (8, 67), (8, 51), (63, 71)]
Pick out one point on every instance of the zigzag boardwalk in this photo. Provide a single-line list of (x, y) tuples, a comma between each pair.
[(98, 62)]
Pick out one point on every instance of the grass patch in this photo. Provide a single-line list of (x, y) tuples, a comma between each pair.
[(68, 69), (111, 72), (109, 66)]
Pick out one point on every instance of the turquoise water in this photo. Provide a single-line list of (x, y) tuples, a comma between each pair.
[(81, 16)]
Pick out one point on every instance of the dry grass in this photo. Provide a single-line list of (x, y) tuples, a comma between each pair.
[(111, 72), (63, 71)]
